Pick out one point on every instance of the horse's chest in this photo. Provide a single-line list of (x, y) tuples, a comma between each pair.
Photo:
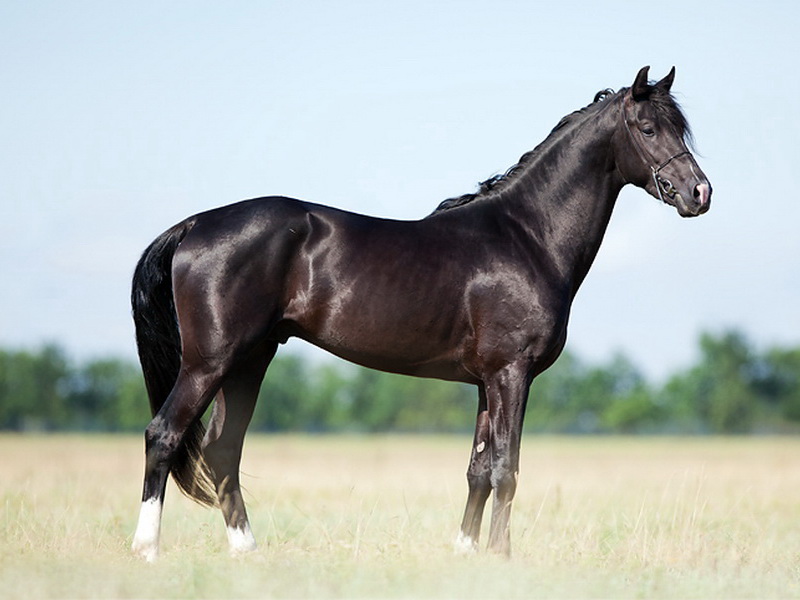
[(512, 319)]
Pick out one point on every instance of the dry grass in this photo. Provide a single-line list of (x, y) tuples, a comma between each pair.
[(375, 517)]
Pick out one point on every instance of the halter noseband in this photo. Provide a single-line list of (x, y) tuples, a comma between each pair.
[(660, 182)]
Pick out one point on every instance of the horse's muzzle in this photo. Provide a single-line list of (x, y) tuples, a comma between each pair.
[(699, 202)]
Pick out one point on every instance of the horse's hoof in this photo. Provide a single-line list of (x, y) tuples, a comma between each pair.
[(148, 552)]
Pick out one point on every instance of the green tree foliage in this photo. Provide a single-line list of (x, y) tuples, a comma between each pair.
[(32, 389), (720, 394), (297, 397), (731, 388), (42, 391), (385, 402), (572, 397), (776, 379), (107, 395), (285, 401)]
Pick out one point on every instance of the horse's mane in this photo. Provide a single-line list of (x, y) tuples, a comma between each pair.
[(662, 101)]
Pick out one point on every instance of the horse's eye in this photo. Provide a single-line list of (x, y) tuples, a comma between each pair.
[(648, 131)]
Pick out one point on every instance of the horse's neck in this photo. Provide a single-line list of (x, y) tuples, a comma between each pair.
[(564, 200)]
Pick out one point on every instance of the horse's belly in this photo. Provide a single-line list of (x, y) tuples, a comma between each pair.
[(388, 337)]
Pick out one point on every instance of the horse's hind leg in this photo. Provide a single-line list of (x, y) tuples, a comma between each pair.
[(222, 445), (164, 439)]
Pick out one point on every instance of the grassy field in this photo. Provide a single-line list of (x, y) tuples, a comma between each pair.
[(366, 517)]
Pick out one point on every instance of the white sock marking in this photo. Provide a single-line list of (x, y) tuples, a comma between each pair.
[(465, 544), (241, 540), (148, 530)]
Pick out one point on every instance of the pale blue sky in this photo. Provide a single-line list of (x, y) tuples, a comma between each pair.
[(119, 119)]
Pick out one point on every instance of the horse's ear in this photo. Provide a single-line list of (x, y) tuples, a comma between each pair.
[(666, 83), (640, 89)]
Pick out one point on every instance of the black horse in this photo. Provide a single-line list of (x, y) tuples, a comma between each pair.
[(479, 291)]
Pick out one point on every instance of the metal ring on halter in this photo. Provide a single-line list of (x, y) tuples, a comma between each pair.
[(660, 183), (663, 182)]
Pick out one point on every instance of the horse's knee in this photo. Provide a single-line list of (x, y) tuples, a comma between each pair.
[(479, 481), (504, 480)]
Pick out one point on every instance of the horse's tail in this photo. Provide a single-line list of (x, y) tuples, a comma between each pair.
[(159, 344)]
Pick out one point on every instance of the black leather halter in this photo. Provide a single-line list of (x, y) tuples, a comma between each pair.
[(661, 183)]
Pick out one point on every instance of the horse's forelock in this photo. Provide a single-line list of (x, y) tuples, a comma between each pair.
[(670, 111)]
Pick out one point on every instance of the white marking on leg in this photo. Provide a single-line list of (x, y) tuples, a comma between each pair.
[(148, 530), (465, 544), (241, 539)]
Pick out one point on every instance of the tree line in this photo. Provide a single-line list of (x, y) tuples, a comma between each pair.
[(731, 388)]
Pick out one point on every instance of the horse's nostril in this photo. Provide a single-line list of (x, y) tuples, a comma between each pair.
[(702, 193)]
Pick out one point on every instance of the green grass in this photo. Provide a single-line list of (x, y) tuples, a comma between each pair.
[(375, 517)]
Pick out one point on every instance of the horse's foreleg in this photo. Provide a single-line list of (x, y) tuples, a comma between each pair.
[(478, 479), (163, 439), (222, 446), (507, 395)]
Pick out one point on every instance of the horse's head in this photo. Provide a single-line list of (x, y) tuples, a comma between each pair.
[(650, 147)]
